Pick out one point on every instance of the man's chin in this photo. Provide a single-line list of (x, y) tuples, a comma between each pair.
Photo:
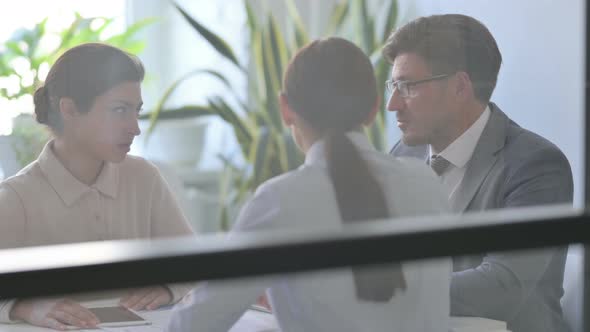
[(410, 140)]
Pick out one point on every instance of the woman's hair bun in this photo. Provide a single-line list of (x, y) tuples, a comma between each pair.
[(41, 100)]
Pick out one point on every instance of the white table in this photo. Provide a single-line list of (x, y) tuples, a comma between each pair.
[(477, 324), (251, 321)]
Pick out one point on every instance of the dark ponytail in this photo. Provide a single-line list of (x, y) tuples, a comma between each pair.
[(361, 198), (331, 84)]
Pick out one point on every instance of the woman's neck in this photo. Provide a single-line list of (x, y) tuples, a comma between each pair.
[(83, 167), (310, 137)]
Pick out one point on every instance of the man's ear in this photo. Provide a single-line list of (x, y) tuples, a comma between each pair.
[(371, 116), (287, 114), (463, 87), (67, 108)]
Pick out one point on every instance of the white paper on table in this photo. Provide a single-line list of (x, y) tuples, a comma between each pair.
[(253, 320), (477, 324), (142, 328)]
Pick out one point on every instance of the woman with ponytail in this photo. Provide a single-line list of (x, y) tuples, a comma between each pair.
[(329, 94)]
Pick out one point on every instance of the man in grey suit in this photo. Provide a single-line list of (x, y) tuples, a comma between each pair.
[(445, 69)]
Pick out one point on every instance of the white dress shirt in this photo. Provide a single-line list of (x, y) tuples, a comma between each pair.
[(326, 301), (459, 152)]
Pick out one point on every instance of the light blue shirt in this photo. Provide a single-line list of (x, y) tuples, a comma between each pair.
[(326, 301)]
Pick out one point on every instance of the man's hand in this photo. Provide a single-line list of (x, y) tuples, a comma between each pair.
[(56, 314), (149, 298)]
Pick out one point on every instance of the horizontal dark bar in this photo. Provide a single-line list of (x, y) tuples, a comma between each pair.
[(107, 265)]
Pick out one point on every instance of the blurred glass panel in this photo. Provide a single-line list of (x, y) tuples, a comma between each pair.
[(522, 148), (318, 300), (412, 296)]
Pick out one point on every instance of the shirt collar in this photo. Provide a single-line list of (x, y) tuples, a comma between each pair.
[(67, 186), (460, 151), (316, 153)]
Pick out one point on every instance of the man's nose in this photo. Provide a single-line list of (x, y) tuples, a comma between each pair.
[(395, 102)]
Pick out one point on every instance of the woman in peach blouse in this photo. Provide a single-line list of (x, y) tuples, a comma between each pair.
[(83, 186)]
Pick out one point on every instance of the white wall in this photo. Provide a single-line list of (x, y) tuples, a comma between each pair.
[(542, 42), (174, 49), (541, 82)]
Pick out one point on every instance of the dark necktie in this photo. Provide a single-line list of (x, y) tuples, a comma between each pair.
[(438, 164)]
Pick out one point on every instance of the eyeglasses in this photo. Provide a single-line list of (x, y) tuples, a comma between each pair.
[(405, 87)]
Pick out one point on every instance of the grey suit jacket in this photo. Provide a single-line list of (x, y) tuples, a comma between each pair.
[(510, 167)]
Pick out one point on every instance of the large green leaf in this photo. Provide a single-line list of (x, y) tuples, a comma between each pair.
[(275, 165), (5, 70), (382, 74), (181, 112), (301, 36), (67, 35), (289, 155), (225, 185), (15, 48), (272, 79), (260, 156), (125, 40), (36, 36), (258, 77), (84, 32), (218, 43), (224, 218), (364, 25), (376, 134), (390, 20), (134, 46), (282, 157), (259, 117), (278, 48), (338, 17), (156, 113), (252, 23), (106, 22), (243, 131), (294, 155), (136, 27)]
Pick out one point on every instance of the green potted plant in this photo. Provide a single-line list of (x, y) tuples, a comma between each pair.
[(29, 48), (266, 145)]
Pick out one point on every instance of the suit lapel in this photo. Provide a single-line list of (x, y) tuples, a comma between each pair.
[(485, 155)]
